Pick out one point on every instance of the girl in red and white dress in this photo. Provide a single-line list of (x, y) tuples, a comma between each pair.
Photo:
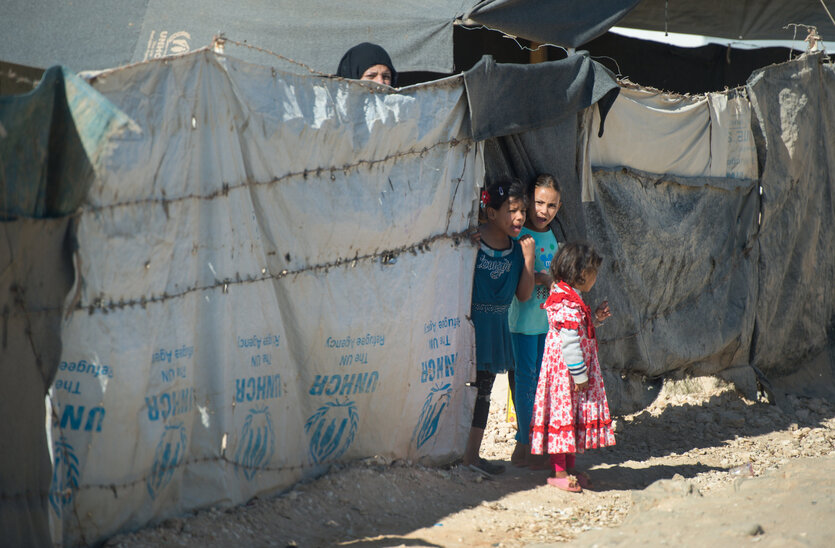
[(571, 413)]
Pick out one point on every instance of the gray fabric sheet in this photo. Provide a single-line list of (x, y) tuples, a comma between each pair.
[(795, 106), (98, 35), (93, 34), (675, 252), (565, 23), (679, 271), (50, 144), (510, 98), (35, 274)]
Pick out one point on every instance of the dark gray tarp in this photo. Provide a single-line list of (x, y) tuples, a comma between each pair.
[(510, 98), (680, 272), (561, 22), (675, 252), (696, 285), (795, 107), (50, 145), (749, 20), (36, 272)]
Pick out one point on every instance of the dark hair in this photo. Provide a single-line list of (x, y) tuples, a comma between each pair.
[(545, 180), (572, 260), (500, 190)]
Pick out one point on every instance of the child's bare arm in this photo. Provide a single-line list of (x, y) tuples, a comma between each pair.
[(602, 312), (543, 278), (526, 281)]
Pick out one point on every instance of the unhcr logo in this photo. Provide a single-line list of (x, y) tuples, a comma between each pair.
[(64, 475), (257, 443), (163, 44), (170, 453), (433, 406), (331, 429)]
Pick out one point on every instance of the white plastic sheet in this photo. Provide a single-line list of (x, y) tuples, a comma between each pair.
[(271, 279), (655, 132)]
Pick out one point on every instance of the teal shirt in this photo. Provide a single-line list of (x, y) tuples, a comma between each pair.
[(527, 317)]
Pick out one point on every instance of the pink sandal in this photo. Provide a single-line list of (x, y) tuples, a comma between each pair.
[(565, 484)]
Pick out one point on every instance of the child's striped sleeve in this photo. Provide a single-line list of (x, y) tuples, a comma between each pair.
[(572, 353)]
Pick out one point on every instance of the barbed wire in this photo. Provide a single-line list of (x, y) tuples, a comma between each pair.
[(463, 26), (386, 257), (305, 173), (219, 42)]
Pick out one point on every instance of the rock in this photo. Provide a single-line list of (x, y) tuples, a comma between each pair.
[(731, 419), (173, 523), (663, 490), (753, 529)]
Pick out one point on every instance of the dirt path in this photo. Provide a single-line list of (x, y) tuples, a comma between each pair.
[(667, 482)]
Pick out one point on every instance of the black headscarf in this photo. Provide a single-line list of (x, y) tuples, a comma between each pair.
[(362, 56)]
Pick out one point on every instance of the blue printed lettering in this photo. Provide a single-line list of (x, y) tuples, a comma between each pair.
[(372, 382), (318, 385), (71, 387), (91, 419), (449, 365), (330, 342), (347, 384), (443, 366), (258, 388), (74, 420), (335, 389), (361, 382), (73, 416), (86, 367), (169, 404)]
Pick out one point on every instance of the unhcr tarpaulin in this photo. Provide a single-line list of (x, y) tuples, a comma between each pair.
[(270, 280)]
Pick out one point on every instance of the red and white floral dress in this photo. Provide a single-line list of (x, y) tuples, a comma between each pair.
[(565, 421)]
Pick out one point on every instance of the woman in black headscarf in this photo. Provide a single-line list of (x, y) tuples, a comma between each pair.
[(368, 61)]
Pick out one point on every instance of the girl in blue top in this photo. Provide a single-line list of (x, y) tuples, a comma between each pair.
[(503, 268), (528, 322)]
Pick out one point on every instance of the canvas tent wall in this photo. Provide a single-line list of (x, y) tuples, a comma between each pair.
[(647, 222), (232, 327), (708, 265)]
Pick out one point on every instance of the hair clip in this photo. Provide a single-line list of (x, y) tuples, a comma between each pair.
[(485, 199), (501, 191)]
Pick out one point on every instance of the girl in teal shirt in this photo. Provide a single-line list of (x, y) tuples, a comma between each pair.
[(527, 321)]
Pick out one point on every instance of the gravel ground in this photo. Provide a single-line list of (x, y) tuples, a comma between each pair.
[(700, 466)]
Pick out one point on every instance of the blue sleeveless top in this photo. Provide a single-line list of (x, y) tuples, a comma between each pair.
[(495, 279)]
